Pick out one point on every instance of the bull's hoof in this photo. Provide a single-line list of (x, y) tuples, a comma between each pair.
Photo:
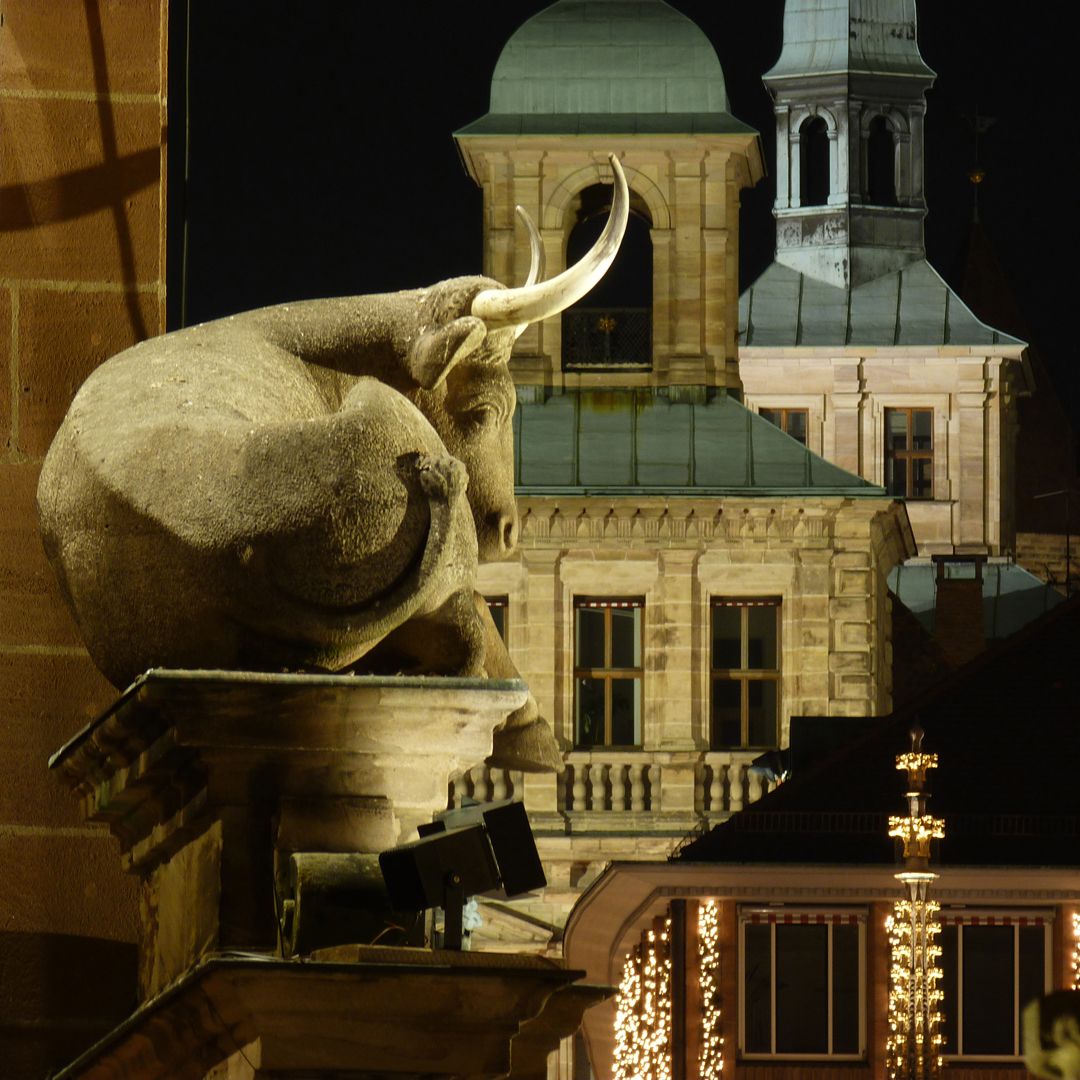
[(442, 478), (528, 748)]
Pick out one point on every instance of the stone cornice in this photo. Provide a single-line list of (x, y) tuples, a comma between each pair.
[(805, 521)]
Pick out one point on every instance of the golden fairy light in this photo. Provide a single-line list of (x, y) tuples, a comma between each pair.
[(914, 1041), (711, 1057), (1076, 951), (643, 1009)]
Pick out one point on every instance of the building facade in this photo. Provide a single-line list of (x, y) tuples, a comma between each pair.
[(688, 576), (850, 339), (775, 924)]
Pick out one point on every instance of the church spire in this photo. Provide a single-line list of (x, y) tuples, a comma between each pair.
[(849, 91)]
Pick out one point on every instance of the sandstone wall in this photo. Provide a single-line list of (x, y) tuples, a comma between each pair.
[(846, 393), (82, 136)]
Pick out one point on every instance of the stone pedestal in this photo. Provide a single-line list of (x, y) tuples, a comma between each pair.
[(211, 780), (352, 1012)]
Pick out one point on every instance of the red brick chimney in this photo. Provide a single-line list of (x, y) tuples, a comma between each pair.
[(958, 610)]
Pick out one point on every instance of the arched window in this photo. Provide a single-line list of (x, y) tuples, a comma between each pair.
[(612, 326), (880, 163), (814, 162)]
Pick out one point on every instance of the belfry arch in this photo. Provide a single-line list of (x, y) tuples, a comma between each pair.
[(611, 327)]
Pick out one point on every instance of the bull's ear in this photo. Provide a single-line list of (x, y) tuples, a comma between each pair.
[(437, 351)]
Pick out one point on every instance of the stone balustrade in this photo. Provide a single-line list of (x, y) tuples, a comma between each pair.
[(620, 781)]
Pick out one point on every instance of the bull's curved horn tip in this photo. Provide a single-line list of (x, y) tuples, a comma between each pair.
[(536, 247), (533, 302)]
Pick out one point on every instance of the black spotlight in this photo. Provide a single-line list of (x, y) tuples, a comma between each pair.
[(479, 848)]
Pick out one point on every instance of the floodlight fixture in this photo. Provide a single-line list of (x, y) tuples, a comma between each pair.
[(473, 849)]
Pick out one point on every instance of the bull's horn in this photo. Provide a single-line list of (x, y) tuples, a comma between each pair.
[(531, 303), (536, 248)]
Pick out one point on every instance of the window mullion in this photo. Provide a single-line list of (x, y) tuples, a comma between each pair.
[(960, 989), (607, 675), (829, 985), (772, 987), (1016, 988)]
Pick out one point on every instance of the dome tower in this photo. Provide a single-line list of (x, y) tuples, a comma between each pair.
[(580, 80)]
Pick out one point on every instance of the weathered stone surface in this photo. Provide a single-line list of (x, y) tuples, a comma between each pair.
[(351, 1011), (211, 780), (290, 488)]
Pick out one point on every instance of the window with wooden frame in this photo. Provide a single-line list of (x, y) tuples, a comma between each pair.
[(607, 672), (745, 670), (992, 964), (802, 979), (497, 605), (793, 422), (909, 453)]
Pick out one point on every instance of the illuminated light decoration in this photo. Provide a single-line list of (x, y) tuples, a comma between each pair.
[(643, 1009), (711, 1057), (1076, 951), (914, 1041)]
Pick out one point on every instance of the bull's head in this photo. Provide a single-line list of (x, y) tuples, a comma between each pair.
[(459, 360)]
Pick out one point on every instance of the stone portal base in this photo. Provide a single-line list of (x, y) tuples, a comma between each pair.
[(349, 1012)]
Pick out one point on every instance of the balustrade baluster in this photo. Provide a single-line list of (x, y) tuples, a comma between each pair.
[(618, 787), (596, 783), (716, 789), (579, 786), (754, 785), (735, 786), (637, 787), (498, 785), (479, 776)]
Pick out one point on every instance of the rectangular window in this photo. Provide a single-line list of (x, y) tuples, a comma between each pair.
[(802, 978), (497, 605), (992, 965), (793, 422), (607, 672), (745, 667), (909, 453)]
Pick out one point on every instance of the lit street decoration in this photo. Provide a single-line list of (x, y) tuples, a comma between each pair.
[(711, 1058), (913, 1045), (643, 1009)]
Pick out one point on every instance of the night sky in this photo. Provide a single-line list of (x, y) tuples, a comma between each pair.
[(321, 158)]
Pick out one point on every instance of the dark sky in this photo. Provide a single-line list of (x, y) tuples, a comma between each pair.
[(321, 161)]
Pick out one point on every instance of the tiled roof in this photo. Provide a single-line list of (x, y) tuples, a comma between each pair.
[(912, 306), (640, 440), (1007, 733)]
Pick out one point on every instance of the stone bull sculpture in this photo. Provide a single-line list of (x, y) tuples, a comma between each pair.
[(307, 486)]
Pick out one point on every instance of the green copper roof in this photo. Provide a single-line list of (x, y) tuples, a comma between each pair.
[(619, 66), (639, 441), (912, 306), (865, 36)]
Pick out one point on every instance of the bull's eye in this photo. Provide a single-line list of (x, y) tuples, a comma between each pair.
[(483, 416)]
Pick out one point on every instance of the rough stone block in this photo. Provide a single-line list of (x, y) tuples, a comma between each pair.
[(63, 337), (854, 634), (31, 610), (45, 699), (813, 634), (850, 608), (75, 208), (849, 662), (67, 883), (52, 46), (5, 367)]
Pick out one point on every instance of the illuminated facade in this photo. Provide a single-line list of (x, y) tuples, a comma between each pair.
[(820, 964)]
